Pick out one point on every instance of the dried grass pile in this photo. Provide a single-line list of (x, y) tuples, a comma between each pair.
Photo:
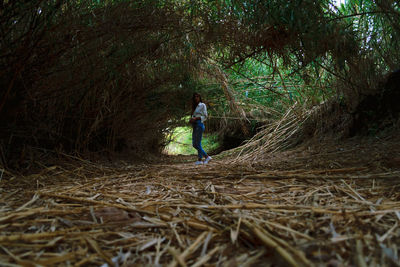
[(214, 215), (280, 134), (298, 124)]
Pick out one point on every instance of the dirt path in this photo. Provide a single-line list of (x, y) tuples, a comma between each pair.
[(303, 207)]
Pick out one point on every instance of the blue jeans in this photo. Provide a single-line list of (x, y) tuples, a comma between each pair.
[(198, 129)]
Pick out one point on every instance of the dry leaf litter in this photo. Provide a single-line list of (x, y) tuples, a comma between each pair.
[(298, 208)]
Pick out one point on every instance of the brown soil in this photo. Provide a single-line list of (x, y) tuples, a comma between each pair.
[(322, 203)]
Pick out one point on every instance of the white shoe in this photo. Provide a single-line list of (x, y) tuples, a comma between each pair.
[(207, 159), (199, 162)]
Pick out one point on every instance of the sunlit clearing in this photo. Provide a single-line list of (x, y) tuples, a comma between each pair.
[(339, 2), (181, 142)]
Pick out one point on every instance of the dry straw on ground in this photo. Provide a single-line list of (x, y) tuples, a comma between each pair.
[(220, 214)]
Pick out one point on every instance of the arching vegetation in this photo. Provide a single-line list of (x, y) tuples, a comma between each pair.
[(99, 76)]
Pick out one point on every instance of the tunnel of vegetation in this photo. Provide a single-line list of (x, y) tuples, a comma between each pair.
[(102, 76)]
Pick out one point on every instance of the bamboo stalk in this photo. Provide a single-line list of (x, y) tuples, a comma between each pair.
[(39, 236), (270, 243), (100, 203), (99, 251), (180, 258)]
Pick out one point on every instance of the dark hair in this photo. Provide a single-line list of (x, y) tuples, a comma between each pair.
[(194, 104)]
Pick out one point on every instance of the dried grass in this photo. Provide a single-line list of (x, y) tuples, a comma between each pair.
[(221, 214), (278, 135)]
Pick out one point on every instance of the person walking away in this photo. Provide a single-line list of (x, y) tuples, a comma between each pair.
[(199, 115)]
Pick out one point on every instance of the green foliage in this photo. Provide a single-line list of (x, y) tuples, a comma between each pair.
[(318, 50), (181, 142)]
